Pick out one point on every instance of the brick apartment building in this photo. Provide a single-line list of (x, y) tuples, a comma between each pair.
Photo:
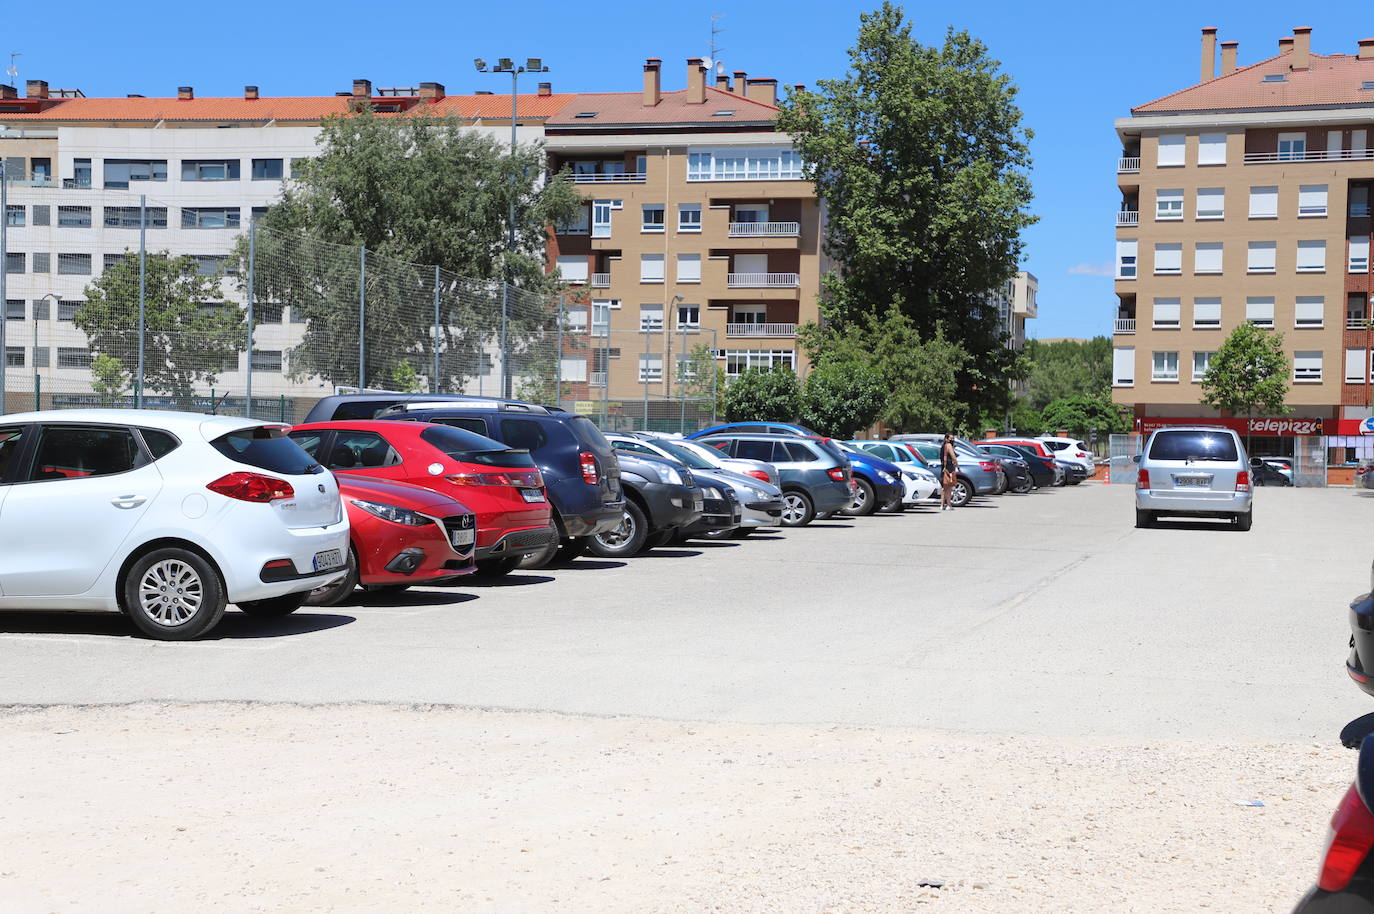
[(1246, 197)]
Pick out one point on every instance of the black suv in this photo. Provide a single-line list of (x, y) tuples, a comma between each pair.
[(581, 472), (662, 499)]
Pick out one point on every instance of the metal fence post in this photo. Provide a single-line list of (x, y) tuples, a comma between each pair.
[(715, 375), (252, 256), (558, 357), (142, 292), (362, 317), (434, 379), (4, 270)]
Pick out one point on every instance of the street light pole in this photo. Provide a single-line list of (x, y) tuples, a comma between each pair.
[(37, 385)]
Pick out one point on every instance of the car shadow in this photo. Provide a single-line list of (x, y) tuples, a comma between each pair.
[(407, 598), (587, 565), (302, 621), (234, 625), (713, 544), (1165, 523), (510, 580), (668, 554), (1353, 733), (830, 525)]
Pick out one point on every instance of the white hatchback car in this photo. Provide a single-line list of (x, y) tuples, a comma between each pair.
[(163, 516), (1070, 449)]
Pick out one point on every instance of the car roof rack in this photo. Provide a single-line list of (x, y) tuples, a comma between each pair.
[(511, 406)]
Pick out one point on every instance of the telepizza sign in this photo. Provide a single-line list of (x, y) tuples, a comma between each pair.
[(1277, 427)]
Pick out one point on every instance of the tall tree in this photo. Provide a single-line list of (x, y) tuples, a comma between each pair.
[(1067, 368), (1248, 373), (921, 159), (189, 330), (838, 400), (1082, 416), (763, 395)]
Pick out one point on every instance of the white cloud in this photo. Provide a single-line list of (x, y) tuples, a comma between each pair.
[(1091, 269)]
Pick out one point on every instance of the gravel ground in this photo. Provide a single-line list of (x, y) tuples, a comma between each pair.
[(276, 807)]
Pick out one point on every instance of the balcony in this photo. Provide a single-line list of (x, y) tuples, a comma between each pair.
[(628, 177), (763, 280), (601, 280), (778, 331), (1128, 165), (1125, 326), (1128, 217), (1310, 155), (765, 229), (1356, 323)]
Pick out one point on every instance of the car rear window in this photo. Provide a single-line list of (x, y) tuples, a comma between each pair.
[(803, 454), (587, 433), (1183, 445), (360, 409), (268, 448), (160, 444), (1055, 445), (471, 448)]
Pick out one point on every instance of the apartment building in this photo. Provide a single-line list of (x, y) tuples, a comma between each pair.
[(1246, 198), (698, 229)]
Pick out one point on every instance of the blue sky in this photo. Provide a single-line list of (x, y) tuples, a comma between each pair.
[(1079, 66)]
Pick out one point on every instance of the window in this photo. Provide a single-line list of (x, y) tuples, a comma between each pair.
[(651, 268), (650, 317), (1211, 149), (14, 309), (297, 314), (689, 217), (1168, 204), (69, 452), (42, 169), (210, 217), (73, 357), (1123, 367), (601, 361), (1354, 367), (1260, 257), (1126, 254), (689, 268), (230, 363), (735, 164), (127, 216), (601, 217), (1201, 361), (267, 314), (1311, 200), (1308, 312), (74, 264), (210, 169), (1171, 151), (42, 214), (1207, 257), (1264, 203), (14, 263), (1206, 313), (573, 368), (257, 213), (1167, 314), (737, 360), (1359, 200), (1211, 203), (749, 314), (66, 310), (575, 321), (14, 356), (1359, 254), (1292, 147), (42, 262), (14, 215), (579, 224), (211, 264), (40, 357), (1307, 367), (298, 164), (652, 220), (122, 172), (689, 317), (74, 216), (601, 316), (364, 450), (650, 368), (1168, 259), (267, 170), (266, 360), (1311, 256), (1164, 366), (1259, 310), (41, 309), (572, 267)]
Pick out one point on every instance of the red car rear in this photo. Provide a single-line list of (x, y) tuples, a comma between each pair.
[(400, 535), (501, 485)]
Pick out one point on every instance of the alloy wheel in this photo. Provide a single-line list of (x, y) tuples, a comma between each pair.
[(620, 535), (793, 508), (170, 592)]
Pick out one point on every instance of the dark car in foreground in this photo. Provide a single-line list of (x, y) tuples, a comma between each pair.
[(662, 498), (1345, 883)]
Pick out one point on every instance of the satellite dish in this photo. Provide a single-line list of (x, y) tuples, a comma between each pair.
[(707, 62), (720, 68)]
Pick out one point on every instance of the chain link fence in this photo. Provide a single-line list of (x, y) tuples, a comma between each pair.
[(117, 299)]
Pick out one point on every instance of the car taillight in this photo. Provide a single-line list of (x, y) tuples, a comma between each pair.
[(252, 487), (758, 474), (836, 473), (527, 479), (1352, 835), (987, 466), (590, 475), (1142, 479), (1243, 481)]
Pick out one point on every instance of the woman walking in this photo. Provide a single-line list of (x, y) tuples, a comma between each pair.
[(949, 468)]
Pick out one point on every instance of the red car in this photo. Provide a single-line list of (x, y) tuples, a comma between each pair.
[(400, 535), (1037, 446), (501, 485)]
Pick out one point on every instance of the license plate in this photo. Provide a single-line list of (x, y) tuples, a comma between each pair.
[(533, 495), (1197, 482), (698, 502), (330, 558), (462, 537)]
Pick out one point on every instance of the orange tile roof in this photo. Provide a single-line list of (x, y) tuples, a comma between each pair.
[(1332, 81), (621, 108), (279, 109)]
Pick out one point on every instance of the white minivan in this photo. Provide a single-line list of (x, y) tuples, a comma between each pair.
[(163, 516)]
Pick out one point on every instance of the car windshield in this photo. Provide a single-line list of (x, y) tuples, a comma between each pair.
[(688, 457), (1193, 445), (471, 447), (267, 448)]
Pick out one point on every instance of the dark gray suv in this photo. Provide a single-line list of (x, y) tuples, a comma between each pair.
[(813, 479)]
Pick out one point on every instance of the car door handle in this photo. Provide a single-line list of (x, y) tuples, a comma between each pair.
[(128, 501)]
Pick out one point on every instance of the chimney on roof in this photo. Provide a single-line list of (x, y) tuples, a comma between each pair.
[(696, 81), (763, 90), (722, 82), (1366, 48), (362, 88), (1302, 48), (36, 88), (800, 87), (1286, 45), (483, 92), (431, 92), (250, 93), (652, 85), (1228, 57), (7, 91), (135, 95), (546, 88), (1209, 54), (185, 92), (741, 79)]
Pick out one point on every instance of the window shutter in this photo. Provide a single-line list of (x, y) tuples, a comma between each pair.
[(1207, 257), (1168, 258), (1307, 311), (1354, 366), (1264, 202), (1123, 366), (1211, 202), (1261, 257), (1312, 200), (1260, 311), (1166, 313), (1206, 312), (1211, 149), (1311, 256), (1171, 150)]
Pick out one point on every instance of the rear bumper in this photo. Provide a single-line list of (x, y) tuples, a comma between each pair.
[(243, 576), (832, 497), (1355, 900), (518, 542), (1210, 504), (1360, 664), (590, 523)]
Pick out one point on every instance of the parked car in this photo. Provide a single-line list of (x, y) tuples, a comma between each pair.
[(1193, 471), (759, 503), (757, 469), (978, 474), (1264, 473), (720, 511), (580, 471), (661, 498), (1071, 473), (877, 482), (501, 484), (758, 428), (921, 484), (1345, 882), (400, 535), (1284, 465), (1018, 474), (813, 478), (1071, 449), (163, 516), (1044, 471)]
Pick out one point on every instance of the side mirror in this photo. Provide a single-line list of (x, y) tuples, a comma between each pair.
[(1255, 463), (1135, 459)]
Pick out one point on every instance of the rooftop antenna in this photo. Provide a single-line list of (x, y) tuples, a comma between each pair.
[(715, 30), (13, 71)]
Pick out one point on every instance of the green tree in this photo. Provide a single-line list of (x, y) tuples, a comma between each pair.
[(840, 399), (1248, 373), (921, 159), (190, 331), (1081, 416), (1025, 419), (416, 192), (1067, 368), (109, 380), (763, 395), (699, 376), (405, 378)]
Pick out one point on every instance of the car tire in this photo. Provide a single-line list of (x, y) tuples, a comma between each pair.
[(864, 500), (195, 608), (962, 493), (626, 539), (1001, 485), (1024, 487), (1144, 518), (284, 605), (798, 509), (336, 593), (498, 568), (1243, 521), (1061, 481)]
